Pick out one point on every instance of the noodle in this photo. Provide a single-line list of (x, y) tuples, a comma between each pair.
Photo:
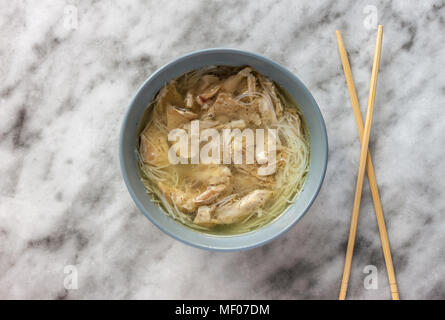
[(223, 199)]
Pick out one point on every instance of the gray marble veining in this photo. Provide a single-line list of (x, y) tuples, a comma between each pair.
[(67, 73)]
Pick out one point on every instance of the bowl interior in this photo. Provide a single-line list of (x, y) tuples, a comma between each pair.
[(232, 57)]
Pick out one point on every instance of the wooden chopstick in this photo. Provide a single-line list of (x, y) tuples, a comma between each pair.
[(370, 169), (362, 165)]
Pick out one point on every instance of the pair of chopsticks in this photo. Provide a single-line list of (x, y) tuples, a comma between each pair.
[(365, 163)]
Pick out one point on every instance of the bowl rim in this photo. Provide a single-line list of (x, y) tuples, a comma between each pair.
[(239, 247)]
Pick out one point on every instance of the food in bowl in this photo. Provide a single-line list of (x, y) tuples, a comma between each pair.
[(223, 150)]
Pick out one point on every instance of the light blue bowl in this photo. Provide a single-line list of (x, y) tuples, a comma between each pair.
[(274, 71)]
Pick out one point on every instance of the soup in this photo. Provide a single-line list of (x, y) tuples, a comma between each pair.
[(223, 150)]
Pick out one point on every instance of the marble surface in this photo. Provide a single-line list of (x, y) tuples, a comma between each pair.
[(65, 84)]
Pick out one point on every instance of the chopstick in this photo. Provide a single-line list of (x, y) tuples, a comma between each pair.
[(370, 169), (362, 165)]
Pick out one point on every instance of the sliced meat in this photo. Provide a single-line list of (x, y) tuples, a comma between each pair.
[(169, 95), (269, 87), (226, 109), (154, 147), (231, 83), (208, 93), (189, 101), (210, 195), (176, 117), (204, 216), (267, 111), (205, 82), (241, 209)]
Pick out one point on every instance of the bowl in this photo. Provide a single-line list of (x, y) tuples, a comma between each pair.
[(233, 57)]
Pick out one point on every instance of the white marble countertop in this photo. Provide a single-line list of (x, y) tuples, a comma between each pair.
[(65, 84)]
